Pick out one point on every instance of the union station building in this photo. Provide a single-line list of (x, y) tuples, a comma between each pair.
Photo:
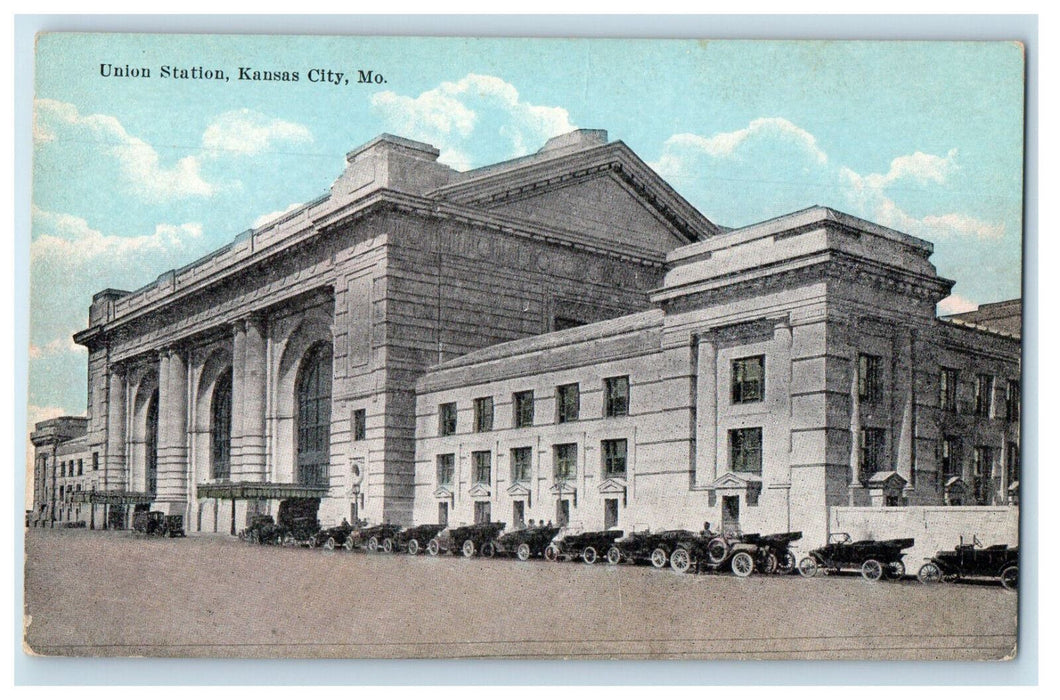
[(556, 337)]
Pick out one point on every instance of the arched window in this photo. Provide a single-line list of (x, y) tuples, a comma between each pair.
[(151, 440), (314, 416), (221, 426)]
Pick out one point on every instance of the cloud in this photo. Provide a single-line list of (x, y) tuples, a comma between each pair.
[(138, 162), (471, 117), (956, 304), (726, 144), (266, 218), (246, 132), (922, 167), (67, 240), (56, 346)]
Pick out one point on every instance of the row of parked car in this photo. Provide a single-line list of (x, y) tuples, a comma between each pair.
[(682, 550)]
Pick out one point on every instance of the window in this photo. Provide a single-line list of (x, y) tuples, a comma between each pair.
[(870, 380), (359, 424), (443, 514), (616, 396), (567, 403), (984, 394), (523, 409), (80, 467), (748, 379), (1012, 400), (445, 469), (62, 468), (561, 323), (95, 461), (221, 427), (447, 419), (1013, 463), (745, 446), (484, 414), (951, 457), (314, 416), (948, 390), (480, 462), (982, 475), (565, 461), (482, 512), (521, 464), (873, 450), (614, 456)]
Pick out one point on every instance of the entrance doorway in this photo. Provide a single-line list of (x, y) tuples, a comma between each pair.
[(610, 513), (518, 513), (562, 513), (482, 512), (443, 514), (730, 514)]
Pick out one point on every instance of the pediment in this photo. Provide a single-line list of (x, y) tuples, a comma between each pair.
[(518, 489), (613, 485), (565, 488), (887, 480), (955, 483), (443, 492), (729, 480), (479, 491), (1014, 486)]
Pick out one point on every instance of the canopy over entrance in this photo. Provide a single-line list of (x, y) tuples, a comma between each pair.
[(259, 490)]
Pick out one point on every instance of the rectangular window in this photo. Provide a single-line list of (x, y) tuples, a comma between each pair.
[(745, 448), (870, 378), (481, 463), (62, 468), (948, 390), (445, 469), (565, 461), (521, 463), (95, 461), (482, 512), (80, 467), (1012, 400), (616, 397), (982, 475), (748, 379), (523, 409), (873, 450), (951, 457), (484, 414), (568, 403), (447, 419), (984, 394), (1013, 463), (359, 424), (614, 456)]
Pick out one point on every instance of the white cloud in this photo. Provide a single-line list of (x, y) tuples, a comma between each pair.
[(67, 239), (138, 162), (56, 346), (725, 144), (460, 117), (247, 132), (955, 304), (266, 218), (922, 167)]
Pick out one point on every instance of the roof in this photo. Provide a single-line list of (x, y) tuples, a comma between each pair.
[(1003, 317)]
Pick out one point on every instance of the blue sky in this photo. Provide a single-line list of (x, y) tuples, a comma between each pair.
[(136, 176)]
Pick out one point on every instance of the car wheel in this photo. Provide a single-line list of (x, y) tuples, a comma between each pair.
[(786, 564), (680, 560), (388, 545), (373, 544), (348, 544), (433, 548), (659, 558), (552, 553), (743, 565), (589, 555), (808, 567), (1010, 577), (895, 571), (252, 538), (769, 563), (468, 549), (929, 573), (614, 556), (871, 570), (523, 552), (288, 540), (329, 544), (488, 550), (717, 550), (413, 547)]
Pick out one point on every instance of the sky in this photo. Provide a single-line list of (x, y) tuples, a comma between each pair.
[(136, 176)]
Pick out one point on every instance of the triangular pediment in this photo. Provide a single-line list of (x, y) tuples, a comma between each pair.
[(730, 480), (443, 492), (518, 489), (617, 486), (955, 483), (887, 480), (479, 491), (564, 488)]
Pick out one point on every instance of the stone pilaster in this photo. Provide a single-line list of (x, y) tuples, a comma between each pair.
[(173, 437), (706, 412), (115, 465), (239, 355), (253, 394)]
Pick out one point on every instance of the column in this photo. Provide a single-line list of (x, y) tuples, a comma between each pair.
[(706, 412), (253, 409), (173, 432), (239, 357), (903, 388), (114, 465)]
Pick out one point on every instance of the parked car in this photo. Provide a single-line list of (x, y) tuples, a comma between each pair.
[(469, 540), (374, 538), (414, 539), (973, 561), (874, 558), (296, 521), (332, 537), (154, 523), (261, 530), (646, 546), (570, 543), (526, 542), (774, 551), (708, 551)]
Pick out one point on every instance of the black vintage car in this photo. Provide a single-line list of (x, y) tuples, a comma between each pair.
[(158, 524), (469, 540), (527, 542), (261, 530), (646, 546), (973, 561), (376, 538), (414, 539), (874, 558), (589, 546), (297, 522), (774, 551), (332, 537), (708, 551)]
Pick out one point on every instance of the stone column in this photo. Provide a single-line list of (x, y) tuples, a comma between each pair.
[(706, 412), (172, 447), (239, 355), (114, 466), (905, 440), (253, 393)]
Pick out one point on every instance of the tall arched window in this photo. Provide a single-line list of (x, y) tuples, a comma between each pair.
[(314, 416), (151, 440), (221, 426)]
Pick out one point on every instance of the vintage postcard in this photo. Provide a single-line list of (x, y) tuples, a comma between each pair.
[(459, 348)]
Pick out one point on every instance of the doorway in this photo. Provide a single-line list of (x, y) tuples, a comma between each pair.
[(519, 514), (482, 512), (610, 513), (562, 513), (730, 514)]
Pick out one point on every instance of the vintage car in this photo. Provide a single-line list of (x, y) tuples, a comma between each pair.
[(646, 546), (331, 537), (708, 551), (973, 561), (774, 551), (261, 530), (414, 539), (157, 524), (296, 521), (469, 540), (374, 538), (874, 558), (571, 543), (526, 542)]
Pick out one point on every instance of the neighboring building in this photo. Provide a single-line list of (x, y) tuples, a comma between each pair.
[(559, 337), (1002, 317)]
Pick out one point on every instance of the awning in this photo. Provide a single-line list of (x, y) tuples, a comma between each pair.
[(113, 498), (247, 490)]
